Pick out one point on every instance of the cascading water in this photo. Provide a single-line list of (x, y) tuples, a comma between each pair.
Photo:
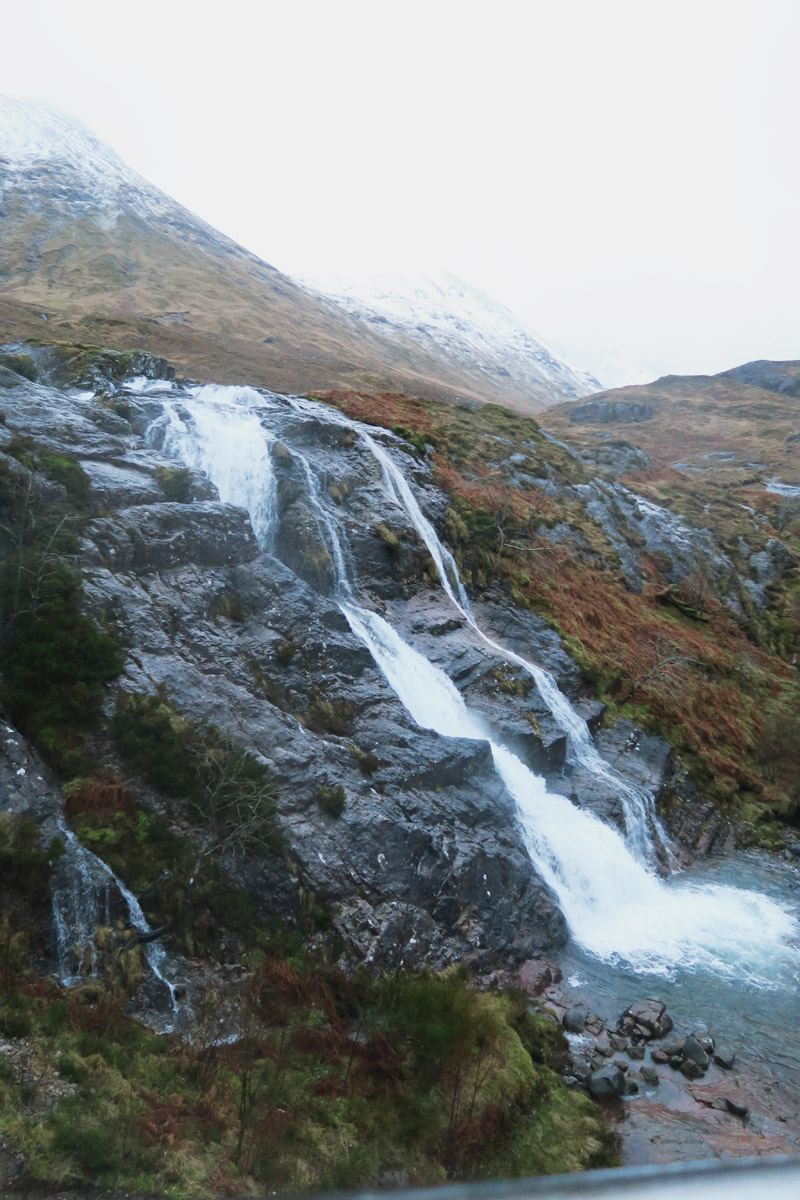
[(86, 904), (225, 439), (638, 805), (614, 903)]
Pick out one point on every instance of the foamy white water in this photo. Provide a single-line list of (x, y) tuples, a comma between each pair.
[(226, 439), (641, 821), (79, 910), (615, 907)]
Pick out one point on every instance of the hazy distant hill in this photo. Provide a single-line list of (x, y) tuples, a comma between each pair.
[(739, 428)]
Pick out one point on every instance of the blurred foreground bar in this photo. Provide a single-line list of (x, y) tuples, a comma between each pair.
[(770, 1178)]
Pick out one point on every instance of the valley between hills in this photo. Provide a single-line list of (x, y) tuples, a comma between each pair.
[(379, 739)]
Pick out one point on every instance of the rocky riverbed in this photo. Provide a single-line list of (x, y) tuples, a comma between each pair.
[(692, 1067)]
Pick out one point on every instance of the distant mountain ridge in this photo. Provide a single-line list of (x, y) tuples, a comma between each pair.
[(737, 429), (106, 258), (472, 329)]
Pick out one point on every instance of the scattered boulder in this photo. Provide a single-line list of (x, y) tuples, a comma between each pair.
[(536, 975), (650, 1075), (636, 1052), (734, 1107), (724, 1057), (706, 1041), (694, 1052), (691, 1069), (574, 1020), (607, 1081), (644, 1020), (617, 1041)]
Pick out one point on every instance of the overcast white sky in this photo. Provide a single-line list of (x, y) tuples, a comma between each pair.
[(622, 173)]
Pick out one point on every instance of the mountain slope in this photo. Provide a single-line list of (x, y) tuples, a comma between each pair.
[(108, 259), (473, 331)]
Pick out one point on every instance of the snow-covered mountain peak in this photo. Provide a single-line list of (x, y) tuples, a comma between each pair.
[(55, 156), (470, 327)]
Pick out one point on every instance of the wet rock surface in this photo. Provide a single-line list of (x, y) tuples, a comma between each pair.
[(664, 1113), (426, 863)]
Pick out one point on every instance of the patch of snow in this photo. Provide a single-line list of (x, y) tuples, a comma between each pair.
[(475, 330), (47, 153)]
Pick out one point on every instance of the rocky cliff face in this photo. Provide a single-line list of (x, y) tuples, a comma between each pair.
[(427, 831), (407, 838)]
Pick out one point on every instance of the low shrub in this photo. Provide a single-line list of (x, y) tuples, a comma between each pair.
[(330, 799), (175, 483)]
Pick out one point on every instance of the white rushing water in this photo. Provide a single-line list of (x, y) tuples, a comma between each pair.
[(224, 438), (86, 904), (615, 904)]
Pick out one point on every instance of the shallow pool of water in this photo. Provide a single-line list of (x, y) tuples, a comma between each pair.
[(761, 1022)]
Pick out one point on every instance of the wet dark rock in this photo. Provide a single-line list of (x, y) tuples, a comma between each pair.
[(537, 975), (650, 1075), (636, 1052), (571, 1081), (696, 823), (607, 1081), (672, 1046), (574, 1020), (694, 1052), (724, 1057), (691, 1069), (658, 1056), (617, 1041), (159, 537), (645, 1020), (604, 412), (737, 1108)]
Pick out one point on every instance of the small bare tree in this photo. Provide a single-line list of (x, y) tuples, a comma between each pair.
[(234, 804), (655, 664)]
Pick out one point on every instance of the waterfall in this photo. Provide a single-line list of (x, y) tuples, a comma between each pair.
[(85, 904), (225, 439), (614, 906), (614, 903), (638, 804)]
